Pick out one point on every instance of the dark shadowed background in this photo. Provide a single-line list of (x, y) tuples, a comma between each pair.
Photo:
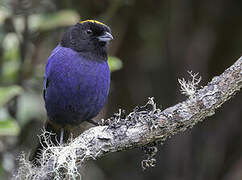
[(156, 42)]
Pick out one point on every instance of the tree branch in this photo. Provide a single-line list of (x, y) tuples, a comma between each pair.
[(145, 125)]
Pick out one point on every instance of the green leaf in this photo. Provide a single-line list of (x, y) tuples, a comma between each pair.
[(11, 41), (61, 18), (10, 72), (10, 65), (8, 126), (114, 63), (7, 93)]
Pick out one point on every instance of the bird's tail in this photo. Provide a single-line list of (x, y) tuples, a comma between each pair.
[(53, 135)]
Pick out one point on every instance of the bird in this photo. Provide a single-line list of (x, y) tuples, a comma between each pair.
[(76, 79)]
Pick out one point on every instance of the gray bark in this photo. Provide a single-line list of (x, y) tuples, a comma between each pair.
[(145, 125)]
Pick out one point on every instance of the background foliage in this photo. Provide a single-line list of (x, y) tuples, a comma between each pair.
[(158, 42)]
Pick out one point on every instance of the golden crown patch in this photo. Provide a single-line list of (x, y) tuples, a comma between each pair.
[(92, 21)]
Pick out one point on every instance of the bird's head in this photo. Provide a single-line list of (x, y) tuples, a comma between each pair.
[(90, 38)]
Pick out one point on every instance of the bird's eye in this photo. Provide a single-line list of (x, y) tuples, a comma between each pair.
[(89, 31)]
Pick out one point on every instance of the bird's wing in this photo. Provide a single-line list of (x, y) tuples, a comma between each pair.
[(45, 86), (47, 69)]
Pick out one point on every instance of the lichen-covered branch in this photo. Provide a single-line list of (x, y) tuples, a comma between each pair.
[(145, 125)]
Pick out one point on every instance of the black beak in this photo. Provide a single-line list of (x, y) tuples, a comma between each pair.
[(105, 37)]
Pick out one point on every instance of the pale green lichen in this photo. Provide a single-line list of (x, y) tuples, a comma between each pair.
[(189, 88), (54, 160)]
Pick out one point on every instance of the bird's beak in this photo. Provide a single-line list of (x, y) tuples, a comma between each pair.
[(105, 37)]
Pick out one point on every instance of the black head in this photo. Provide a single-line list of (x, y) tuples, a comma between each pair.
[(89, 38)]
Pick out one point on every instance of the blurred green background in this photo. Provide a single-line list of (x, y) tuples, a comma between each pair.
[(156, 42)]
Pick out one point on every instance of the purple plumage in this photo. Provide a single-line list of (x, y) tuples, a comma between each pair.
[(75, 88), (76, 80)]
